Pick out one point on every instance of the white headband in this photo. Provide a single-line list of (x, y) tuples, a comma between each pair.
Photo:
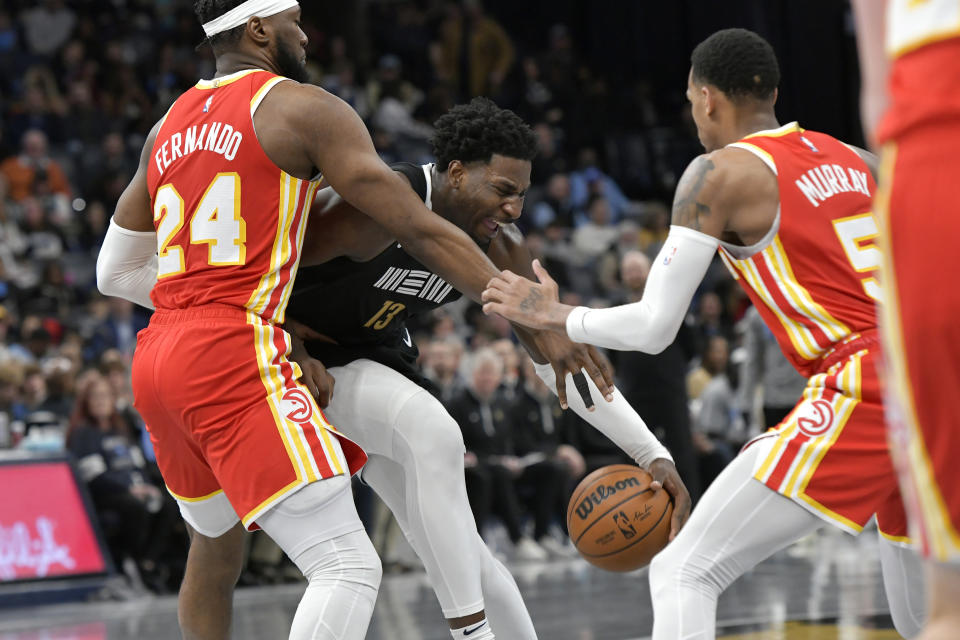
[(240, 14)]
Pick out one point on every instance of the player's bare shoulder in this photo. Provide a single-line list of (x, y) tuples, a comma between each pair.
[(720, 188), (290, 120)]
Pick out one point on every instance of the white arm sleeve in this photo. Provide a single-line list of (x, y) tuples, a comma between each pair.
[(651, 324), (127, 264), (617, 420)]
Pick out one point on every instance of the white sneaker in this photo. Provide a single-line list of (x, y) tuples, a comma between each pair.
[(526, 550), (556, 548)]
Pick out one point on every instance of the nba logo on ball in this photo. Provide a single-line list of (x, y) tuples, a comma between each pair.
[(616, 521), (296, 406)]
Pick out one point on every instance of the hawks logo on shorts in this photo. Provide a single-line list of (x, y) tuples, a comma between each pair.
[(296, 406), (815, 418)]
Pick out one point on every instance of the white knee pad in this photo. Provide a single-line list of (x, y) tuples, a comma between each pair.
[(424, 425), (350, 558), (319, 511)]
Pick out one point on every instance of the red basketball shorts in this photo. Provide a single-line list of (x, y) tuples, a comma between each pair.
[(919, 205), (233, 430), (830, 454)]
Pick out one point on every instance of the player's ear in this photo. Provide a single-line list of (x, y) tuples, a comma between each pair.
[(258, 31), (709, 99), (455, 173)]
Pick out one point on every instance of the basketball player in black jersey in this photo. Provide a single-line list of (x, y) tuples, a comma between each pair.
[(352, 312)]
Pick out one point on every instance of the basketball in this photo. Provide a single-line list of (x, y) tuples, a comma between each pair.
[(616, 521)]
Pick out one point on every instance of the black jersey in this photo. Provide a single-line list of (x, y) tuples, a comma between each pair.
[(364, 306)]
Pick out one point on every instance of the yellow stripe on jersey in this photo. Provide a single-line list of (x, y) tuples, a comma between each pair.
[(728, 261), (798, 295), (200, 499), (273, 385), (262, 93), (800, 337), (302, 215), (294, 429), (843, 407), (224, 80), (260, 297), (269, 502), (790, 127), (944, 540), (763, 155)]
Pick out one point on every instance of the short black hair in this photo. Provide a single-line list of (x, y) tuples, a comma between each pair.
[(738, 62), (207, 10), (478, 130)]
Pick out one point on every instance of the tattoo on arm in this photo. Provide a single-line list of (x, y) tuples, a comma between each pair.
[(532, 301), (688, 211)]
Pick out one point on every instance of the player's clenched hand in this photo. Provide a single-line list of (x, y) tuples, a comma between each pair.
[(531, 304), (665, 475), (567, 356), (315, 377)]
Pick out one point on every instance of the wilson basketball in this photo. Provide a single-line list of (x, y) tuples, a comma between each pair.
[(616, 521)]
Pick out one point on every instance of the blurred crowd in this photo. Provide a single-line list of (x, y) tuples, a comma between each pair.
[(81, 84)]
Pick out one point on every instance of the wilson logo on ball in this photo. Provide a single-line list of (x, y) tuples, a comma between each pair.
[(601, 493), (296, 406)]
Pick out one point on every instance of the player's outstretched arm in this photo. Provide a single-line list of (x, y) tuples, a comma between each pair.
[(552, 348), (338, 143), (127, 262), (699, 218)]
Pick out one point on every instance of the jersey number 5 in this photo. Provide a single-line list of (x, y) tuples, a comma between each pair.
[(216, 222), (855, 234)]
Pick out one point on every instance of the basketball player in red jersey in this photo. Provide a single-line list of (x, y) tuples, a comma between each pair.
[(790, 212), (920, 222), (209, 232)]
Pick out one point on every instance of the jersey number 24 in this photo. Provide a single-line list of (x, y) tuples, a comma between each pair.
[(216, 222)]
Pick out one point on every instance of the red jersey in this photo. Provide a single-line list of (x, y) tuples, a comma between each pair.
[(813, 278), (230, 223), (923, 40)]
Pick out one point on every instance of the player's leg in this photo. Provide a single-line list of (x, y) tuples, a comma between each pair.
[(503, 603), (903, 582), (390, 416), (922, 351), (205, 603), (737, 523), (319, 530), (944, 583)]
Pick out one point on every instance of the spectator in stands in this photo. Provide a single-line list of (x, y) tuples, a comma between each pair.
[(510, 356), (481, 412), (12, 409), (717, 427), (33, 171), (555, 206), (41, 106), (655, 385), (474, 52), (550, 159), (589, 181), (766, 367), (118, 331), (711, 320), (137, 520), (595, 236), (441, 366), (542, 431), (47, 26)]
